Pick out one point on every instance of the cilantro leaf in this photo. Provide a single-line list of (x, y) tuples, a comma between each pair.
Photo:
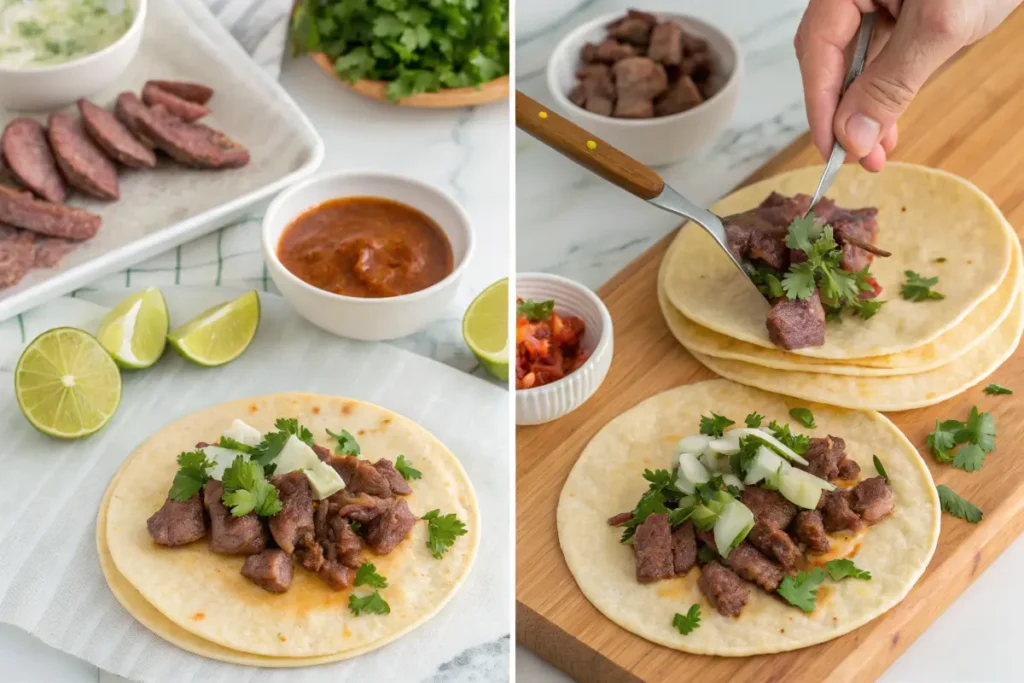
[(228, 442), (841, 569), (688, 623), (191, 475), (881, 470), (952, 503), (969, 458), (442, 531), (406, 469), (246, 489), (980, 429), (996, 390), (367, 575), (347, 444), (943, 439), (803, 232), (273, 442), (918, 288), (867, 308), (715, 425), (766, 279), (799, 282), (372, 604), (753, 421), (535, 310), (798, 442), (680, 515), (803, 416), (802, 591)]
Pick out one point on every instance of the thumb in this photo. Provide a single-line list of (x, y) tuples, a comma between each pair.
[(925, 36)]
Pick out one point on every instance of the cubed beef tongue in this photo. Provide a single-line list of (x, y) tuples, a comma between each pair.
[(390, 528), (681, 95), (309, 552), (810, 529), (723, 589), (296, 515), (848, 469), (360, 476), (596, 90), (271, 570), (797, 323), (360, 507), (872, 499), (780, 210), (336, 575), (399, 486), (824, 455), (860, 225), (667, 44), (751, 565), (230, 535), (638, 80), (178, 523), (610, 51), (335, 535), (836, 512), (633, 28), (774, 543), (652, 548), (684, 548), (768, 506)]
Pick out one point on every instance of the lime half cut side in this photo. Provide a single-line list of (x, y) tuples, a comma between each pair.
[(67, 384), (220, 334), (485, 329), (135, 332)]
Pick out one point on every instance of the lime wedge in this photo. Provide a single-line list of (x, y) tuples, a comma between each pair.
[(67, 385), (135, 332), (485, 329), (220, 334)]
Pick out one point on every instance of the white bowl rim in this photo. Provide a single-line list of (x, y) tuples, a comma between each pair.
[(137, 25), (731, 83), (602, 343), (270, 250)]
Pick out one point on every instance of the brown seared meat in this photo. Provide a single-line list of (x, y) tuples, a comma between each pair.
[(387, 531), (810, 529), (399, 486), (859, 225), (193, 92), (610, 51), (752, 238), (652, 548), (634, 28), (768, 506), (296, 515), (49, 250), (114, 138), (178, 523), (638, 80), (723, 589), (309, 553), (872, 500), (191, 144), (666, 44), (836, 512), (620, 519), (231, 535), (45, 218), (128, 110), (360, 476), (797, 323), (684, 548), (337, 576), (824, 456), (361, 507), (26, 153), (271, 570), (184, 109), (335, 535), (595, 91), (849, 470), (751, 565), (17, 254), (680, 96), (84, 165), (775, 544)]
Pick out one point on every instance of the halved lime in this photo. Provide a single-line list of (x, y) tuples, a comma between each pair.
[(220, 334), (135, 332), (485, 329), (67, 384)]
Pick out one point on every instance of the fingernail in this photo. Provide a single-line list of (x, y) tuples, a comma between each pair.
[(862, 134)]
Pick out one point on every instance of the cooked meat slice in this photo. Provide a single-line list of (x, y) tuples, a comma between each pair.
[(193, 92), (836, 512), (360, 476), (114, 138), (751, 237), (271, 570), (768, 506), (309, 553), (620, 519), (399, 486), (751, 565), (824, 456), (775, 544), (611, 51), (360, 507), (83, 164), (128, 110), (348, 543), (652, 547), (588, 55), (185, 110), (27, 155), (780, 210), (337, 576), (684, 548), (723, 589), (667, 44), (872, 500), (638, 80), (387, 531), (855, 225), (45, 218), (17, 255), (681, 95), (595, 91), (296, 515), (50, 250), (192, 144), (231, 535), (631, 29), (178, 523), (797, 323), (848, 469), (810, 529)]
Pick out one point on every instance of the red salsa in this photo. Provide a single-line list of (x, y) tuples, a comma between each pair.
[(548, 345)]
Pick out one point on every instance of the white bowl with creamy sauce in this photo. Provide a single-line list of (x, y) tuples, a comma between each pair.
[(53, 52)]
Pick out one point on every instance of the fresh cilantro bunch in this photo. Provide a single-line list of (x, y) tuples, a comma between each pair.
[(416, 45), (662, 489), (976, 437)]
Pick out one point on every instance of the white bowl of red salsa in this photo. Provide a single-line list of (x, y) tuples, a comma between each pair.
[(564, 346), (367, 255)]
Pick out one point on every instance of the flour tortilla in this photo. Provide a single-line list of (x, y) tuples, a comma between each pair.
[(924, 214), (205, 595), (608, 479), (947, 347)]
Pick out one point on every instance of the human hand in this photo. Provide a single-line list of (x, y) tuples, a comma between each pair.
[(912, 39)]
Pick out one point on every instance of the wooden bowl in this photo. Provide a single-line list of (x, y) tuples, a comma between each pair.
[(492, 91)]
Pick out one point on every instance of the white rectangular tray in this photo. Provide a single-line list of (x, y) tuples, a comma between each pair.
[(167, 206)]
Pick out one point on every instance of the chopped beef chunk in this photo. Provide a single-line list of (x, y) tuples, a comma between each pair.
[(323, 453), (751, 565), (751, 237), (361, 507), (681, 95), (390, 528), (588, 55), (723, 589), (780, 210), (596, 89), (768, 506), (666, 44), (335, 535), (797, 323), (860, 225), (271, 570), (849, 470), (337, 576), (230, 535), (611, 51), (399, 486), (620, 519), (638, 80), (810, 529), (652, 547), (872, 499), (309, 553), (178, 523), (296, 515), (775, 544), (684, 548), (360, 476), (824, 456), (632, 29), (836, 512)]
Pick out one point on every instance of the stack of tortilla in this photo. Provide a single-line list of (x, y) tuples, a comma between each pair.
[(910, 354)]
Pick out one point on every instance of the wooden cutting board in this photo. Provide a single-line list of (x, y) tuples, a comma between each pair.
[(966, 121)]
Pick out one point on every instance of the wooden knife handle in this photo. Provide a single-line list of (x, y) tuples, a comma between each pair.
[(588, 151)]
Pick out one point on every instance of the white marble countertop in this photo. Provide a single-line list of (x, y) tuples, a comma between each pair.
[(573, 223)]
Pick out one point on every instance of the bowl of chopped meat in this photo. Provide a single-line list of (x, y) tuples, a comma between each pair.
[(563, 346), (659, 86)]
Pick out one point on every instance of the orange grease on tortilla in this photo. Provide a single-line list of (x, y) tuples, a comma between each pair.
[(347, 632), (316, 410), (347, 408), (281, 638), (198, 616), (253, 409)]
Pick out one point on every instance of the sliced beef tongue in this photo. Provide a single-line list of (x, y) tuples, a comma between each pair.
[(84, 164), (872, 499), (271, 570), (385, 532), (797, 323), (810, 529), (193, 92), (231, 535), (26, 153), (652, 547), (184, 109), (296, 515), (359, 507), (399, 486), (723, 589), (684, 548), (114, 138), (775, 544), (768, 506), (46, 218), (178, 523), (360, 476), (836, 513), (751, 565)]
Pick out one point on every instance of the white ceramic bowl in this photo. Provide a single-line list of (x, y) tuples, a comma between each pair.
[(551, 401), (534, 17), (661, 140), (52, 87), (355, 317)]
